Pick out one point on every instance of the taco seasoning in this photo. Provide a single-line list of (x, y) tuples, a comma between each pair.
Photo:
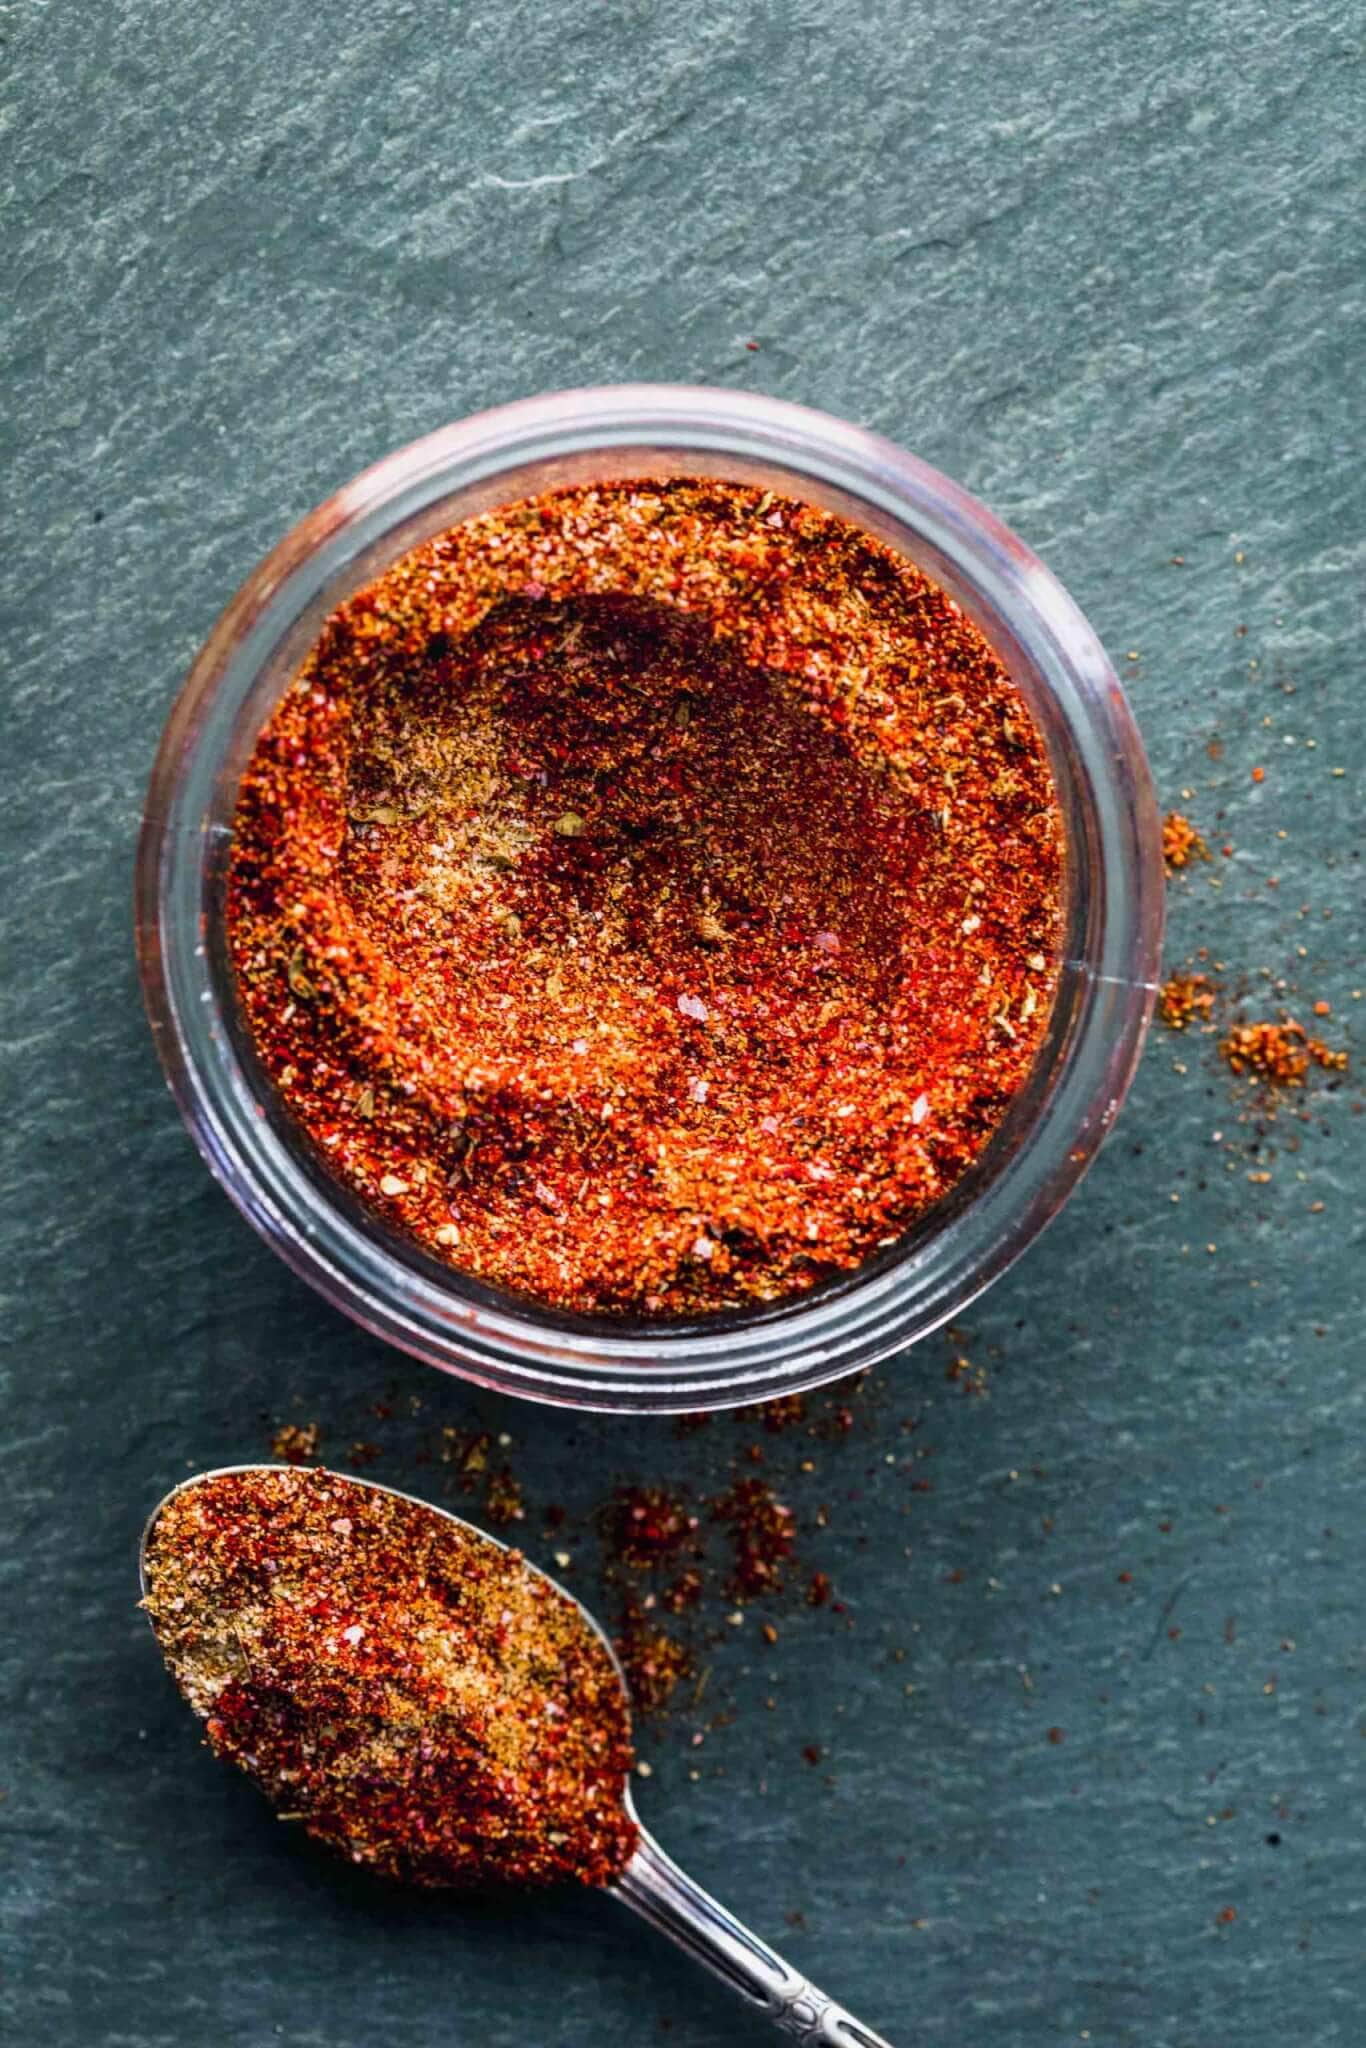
[(647, 896), (408, 1691)]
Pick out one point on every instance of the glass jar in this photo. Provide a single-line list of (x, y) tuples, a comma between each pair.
[(1114, 894)]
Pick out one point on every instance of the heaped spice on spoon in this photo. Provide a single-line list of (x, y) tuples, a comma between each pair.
[(416, 1696), (647, 896)]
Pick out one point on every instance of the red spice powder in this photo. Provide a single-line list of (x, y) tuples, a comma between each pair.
[(683, 1592), (654, 1662), (414, 1695), (647, 896), (763, 1532), (646, 1525)]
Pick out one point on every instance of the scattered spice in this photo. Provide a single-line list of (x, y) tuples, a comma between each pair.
[(654, 1663), (647, 896), (784, 1413), (467, 1449), (415, 1695), (1181, 843), (646, 1525), (973, 1379), (762, 1530), (503, 1499), (295, 1442), (1278, 1054), (1185, 999), (683, 1592)]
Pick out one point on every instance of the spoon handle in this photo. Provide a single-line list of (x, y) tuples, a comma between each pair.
[(653, 1886)]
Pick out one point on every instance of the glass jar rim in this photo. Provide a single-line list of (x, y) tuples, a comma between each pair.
[(1114, 831)]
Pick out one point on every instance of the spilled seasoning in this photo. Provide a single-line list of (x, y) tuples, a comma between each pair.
[(1278, 1053), (1181, 843)]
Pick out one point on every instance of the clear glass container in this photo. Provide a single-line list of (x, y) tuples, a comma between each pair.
[(1113, 906)]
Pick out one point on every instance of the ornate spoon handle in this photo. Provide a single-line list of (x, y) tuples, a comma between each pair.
[(653, 1886)]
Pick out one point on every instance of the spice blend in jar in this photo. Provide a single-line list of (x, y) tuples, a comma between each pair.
[(648, 896), (416, 1696)]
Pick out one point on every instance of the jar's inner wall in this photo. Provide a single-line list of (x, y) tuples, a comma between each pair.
[(1084, 878)]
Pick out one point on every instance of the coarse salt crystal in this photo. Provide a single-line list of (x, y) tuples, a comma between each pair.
[(693, 1006), (579, 1045), (702, 1248), (353, 1634), (828, 942), (970, 924), (392, 1185), (341, 1527), (769, 1124), (920, 1109), (697, 1090)]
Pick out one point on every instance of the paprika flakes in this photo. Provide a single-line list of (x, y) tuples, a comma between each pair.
[(647, 896)]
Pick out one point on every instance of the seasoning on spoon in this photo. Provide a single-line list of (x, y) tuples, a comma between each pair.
[(417, 1696), (648, 896)]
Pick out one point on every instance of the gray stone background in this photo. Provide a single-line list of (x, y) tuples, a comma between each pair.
[(1103, 263)]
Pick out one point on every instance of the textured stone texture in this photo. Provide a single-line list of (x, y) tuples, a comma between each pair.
[(1103, 263)]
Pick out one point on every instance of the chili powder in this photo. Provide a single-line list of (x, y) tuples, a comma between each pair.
[(647, 896), (413, 1694)]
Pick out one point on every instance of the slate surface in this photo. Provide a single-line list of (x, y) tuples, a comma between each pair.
[(1104, 264)]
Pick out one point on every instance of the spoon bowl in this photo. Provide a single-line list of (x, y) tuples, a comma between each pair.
[(651, 1883)]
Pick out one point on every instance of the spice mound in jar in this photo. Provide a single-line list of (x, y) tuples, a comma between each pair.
[(414, 1695), (647, 896)]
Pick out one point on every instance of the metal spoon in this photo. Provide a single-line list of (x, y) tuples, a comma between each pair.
[(652, 1883)]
